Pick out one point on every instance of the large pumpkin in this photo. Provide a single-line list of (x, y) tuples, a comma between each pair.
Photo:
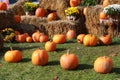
[(103, 64), (71, 34), (59, 38), (36, 36), (69, 61), (80, 38), (43, 38), (40, 12), (52, 16), (50, 46), (74, 3), (13, 56), (39, 57), (90, 40), (105, 40), (3, 6)]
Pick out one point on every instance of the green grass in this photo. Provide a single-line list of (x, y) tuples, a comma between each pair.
[(25, 70)]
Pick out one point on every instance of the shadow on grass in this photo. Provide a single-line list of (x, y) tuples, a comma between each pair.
[(25, 60), (60, 49), (52, 63), (116, 70), (71, 41), (84, 66)]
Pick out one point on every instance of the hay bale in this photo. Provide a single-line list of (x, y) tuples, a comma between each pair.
[(55, 5), (6, 19), (93, 22), (37, 22), (59, 27), (1, 42), (23, 28), (17, 8)]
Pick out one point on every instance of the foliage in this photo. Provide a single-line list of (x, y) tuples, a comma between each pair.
[(113, 9), (71, 11), (89, 2), (30, 6), (8, 34)]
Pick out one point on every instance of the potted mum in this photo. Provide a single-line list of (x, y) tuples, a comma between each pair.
[(72, 13), (112, 11), (29, 8)]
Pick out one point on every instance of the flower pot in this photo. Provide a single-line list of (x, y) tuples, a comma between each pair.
[(71, 18)]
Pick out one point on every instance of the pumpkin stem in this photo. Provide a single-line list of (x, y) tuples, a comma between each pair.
[(11, 48), (68, 52)]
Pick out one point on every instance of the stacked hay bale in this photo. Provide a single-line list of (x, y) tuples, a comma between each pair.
[(1, 42), (55, 5), (6, 19), (17, 8), (59, 27)]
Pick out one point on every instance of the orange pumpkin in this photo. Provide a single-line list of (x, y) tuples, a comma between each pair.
[(20, 38), (105, 3), (26, 34), (50, 46), (90, 40), (17, 18), (103, 64), (69, 61), (59, 38), (105, 40), (43, 38), (52, 16), (29, 39), (36, 36), (40, 12), (103, 15), (17, 32), (39, 57), (13, 56), (74, 3), (80, 38), (3, 6), (71, 34), (85, 10)]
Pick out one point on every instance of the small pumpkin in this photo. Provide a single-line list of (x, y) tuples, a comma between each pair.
[(50, 46), (105, 3), (74, 3), (36, 36), (39, 57), (20, 38), (3, 6), (105, 40), (17, 18), (80, 38), (29, 39), (43, 38), (71, 34), (102, 15), (69, 61), (40, 12), (90, 40), (103, 64), (17, 32), (13, 56), (52, 16), (59, 38)]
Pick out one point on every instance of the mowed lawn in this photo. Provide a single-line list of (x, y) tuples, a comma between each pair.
[(25, 70)]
